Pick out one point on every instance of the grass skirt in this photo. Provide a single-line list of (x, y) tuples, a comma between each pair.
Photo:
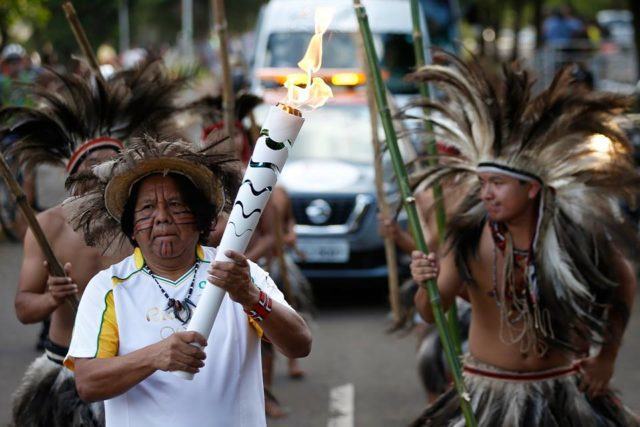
[(48, 397), (509, 399), (433, 369)]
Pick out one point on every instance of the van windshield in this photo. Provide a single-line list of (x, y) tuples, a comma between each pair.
[(285, 49), (336, 132)]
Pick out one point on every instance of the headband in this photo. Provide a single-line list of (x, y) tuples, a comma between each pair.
[(93, 144)]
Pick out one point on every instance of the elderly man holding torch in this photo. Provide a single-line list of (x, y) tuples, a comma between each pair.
[(130, 328)]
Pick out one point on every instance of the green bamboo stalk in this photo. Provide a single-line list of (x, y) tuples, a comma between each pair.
[(389, 246), (418, 47), (441, 215), (412, 213)]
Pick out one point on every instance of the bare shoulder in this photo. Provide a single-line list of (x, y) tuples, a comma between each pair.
[(52, 221)]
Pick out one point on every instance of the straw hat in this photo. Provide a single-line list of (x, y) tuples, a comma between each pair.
[(118, 189), (97, 212)]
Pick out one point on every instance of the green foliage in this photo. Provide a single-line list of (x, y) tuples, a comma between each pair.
[(98, 17), (157, 22), (33, 11), (242, 14), (589, 8), (502, 10), (154, 23)]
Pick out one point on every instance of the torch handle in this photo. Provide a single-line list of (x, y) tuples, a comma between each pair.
[(269, 156)]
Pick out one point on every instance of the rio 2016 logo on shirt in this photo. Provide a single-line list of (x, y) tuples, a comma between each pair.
[(155, 314)]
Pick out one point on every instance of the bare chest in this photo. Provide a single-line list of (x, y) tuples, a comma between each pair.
[(85, 261)]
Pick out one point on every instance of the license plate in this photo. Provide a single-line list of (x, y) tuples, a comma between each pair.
[(323, 251)]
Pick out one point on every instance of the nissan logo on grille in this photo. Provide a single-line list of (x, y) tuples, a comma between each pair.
[(318, 211)]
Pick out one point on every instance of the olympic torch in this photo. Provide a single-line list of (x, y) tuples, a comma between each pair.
[(270, 154)]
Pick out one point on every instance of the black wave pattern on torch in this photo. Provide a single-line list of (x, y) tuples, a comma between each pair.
[(267, 165), (239, 202), (273, 144), (276, 146), (253, 189), (235, 230)]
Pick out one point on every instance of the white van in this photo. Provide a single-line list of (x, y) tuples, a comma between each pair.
[(286, 26)]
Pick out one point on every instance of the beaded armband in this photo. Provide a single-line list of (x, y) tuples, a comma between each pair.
[(262, 309)]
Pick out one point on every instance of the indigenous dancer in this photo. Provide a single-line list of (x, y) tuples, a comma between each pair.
[(209, 108), (537, 243), (295, 286), (81, 124), (130, 329), (432, 366)]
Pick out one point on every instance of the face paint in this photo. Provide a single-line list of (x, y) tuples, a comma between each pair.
[(162, 222), (177, 211)]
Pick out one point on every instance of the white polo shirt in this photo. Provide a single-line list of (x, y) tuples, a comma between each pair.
[(122, 310)]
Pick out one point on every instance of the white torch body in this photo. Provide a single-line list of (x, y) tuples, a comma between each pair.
[(271, 151)]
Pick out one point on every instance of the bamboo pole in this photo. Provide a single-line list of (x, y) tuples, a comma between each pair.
[(438, 195), (390, 253), (418, 47), (410, 207), (81, 38), (55, 268), (228, 98)]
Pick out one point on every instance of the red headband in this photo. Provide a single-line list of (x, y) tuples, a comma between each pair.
[(217, 126), (447, 149), (90, 145)]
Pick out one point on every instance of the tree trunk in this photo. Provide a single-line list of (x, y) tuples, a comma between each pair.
[(537, 21), (3, 35), (228, 96), (496, 15), (517, 24), (634, 6)]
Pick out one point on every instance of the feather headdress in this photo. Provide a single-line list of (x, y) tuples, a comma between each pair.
[(210, 109), (83, 114), (555, 138), (97, 211)]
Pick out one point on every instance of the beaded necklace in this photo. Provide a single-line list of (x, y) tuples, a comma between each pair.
[(179, 307), (522, 319)]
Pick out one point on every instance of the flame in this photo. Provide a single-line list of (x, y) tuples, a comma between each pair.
[(315, 92)]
